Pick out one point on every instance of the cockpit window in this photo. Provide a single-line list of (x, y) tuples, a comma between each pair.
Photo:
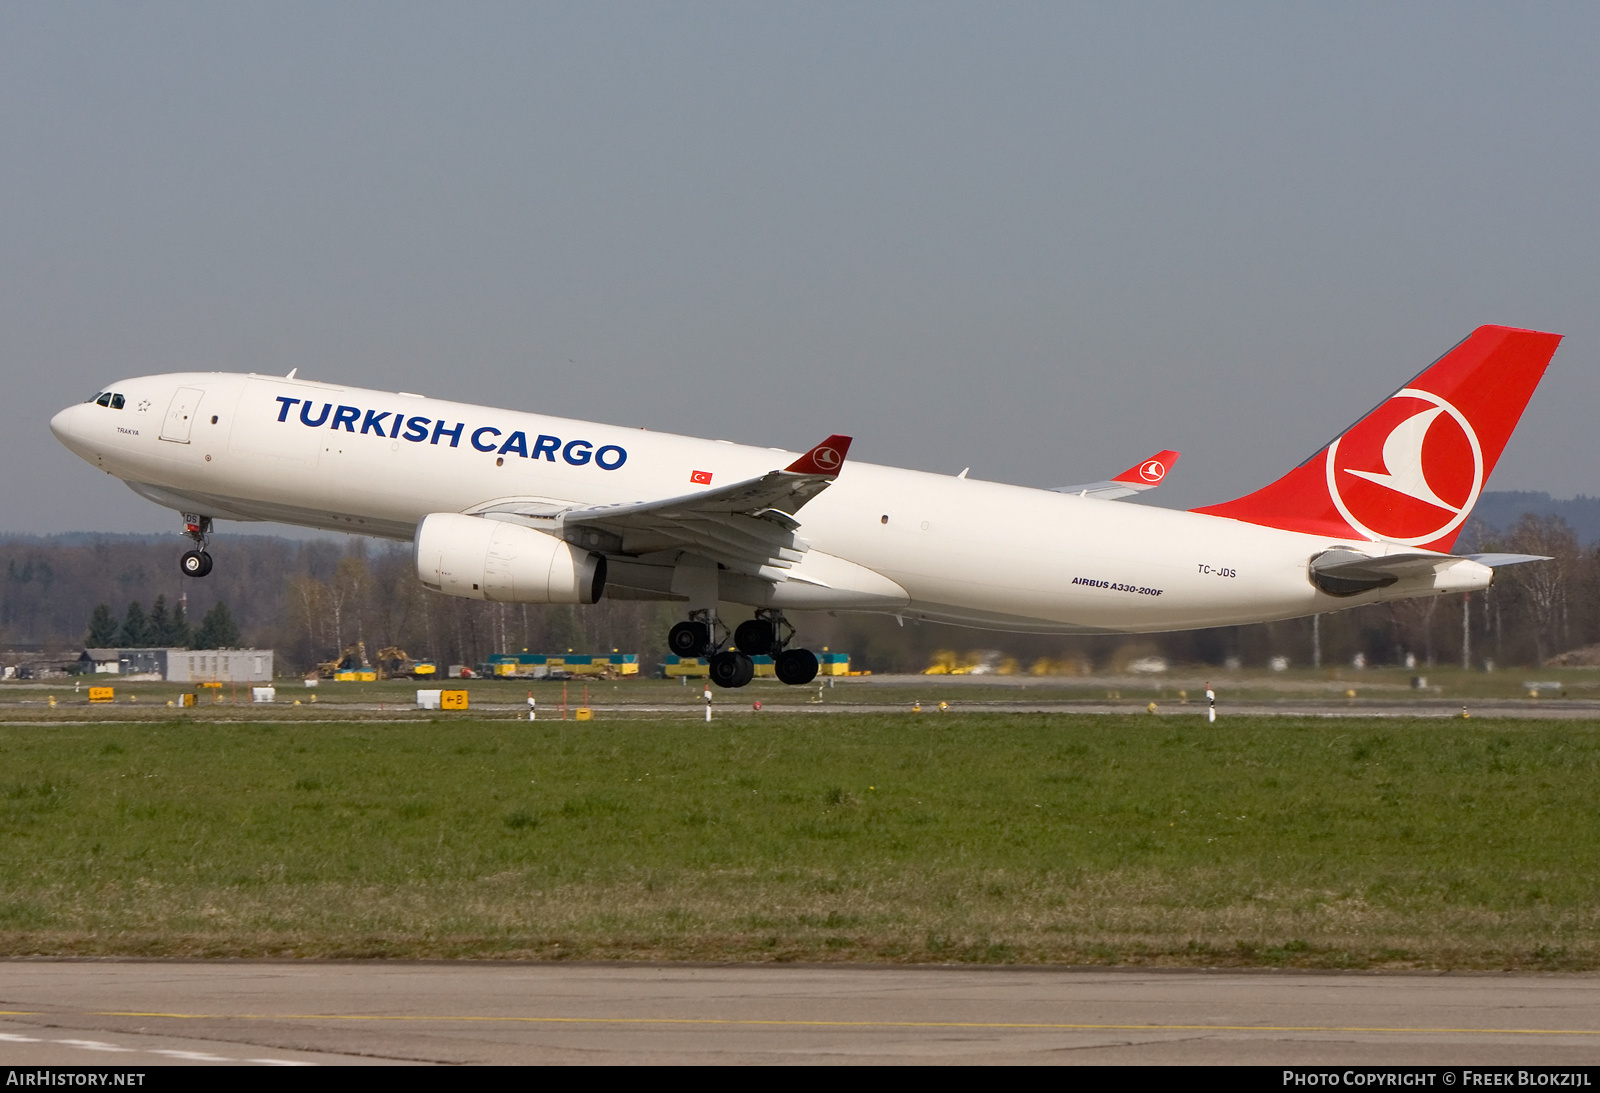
[(116, 402), (107, 398), (104, 399)]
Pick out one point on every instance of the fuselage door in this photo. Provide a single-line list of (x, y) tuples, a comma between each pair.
[(180, 415)]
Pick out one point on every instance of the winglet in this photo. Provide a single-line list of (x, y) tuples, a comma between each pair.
[(825, 459), (1148, 473)]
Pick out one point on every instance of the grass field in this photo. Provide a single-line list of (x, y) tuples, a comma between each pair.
[(964, 837)]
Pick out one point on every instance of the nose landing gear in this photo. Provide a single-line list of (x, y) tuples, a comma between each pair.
[(196, 563)]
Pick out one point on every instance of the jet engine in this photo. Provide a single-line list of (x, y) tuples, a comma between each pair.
[(507, 563)]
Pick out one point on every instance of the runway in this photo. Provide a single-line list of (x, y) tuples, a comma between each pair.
[(137, 1014)]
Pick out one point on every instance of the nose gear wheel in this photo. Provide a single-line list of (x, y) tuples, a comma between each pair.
[(196, 562)]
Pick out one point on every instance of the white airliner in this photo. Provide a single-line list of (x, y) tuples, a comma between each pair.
[(518, 507)]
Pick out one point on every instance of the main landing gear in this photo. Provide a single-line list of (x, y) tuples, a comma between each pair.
[(768, 634), (196, 563)]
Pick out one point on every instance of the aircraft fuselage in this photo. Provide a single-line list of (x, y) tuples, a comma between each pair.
[(910, 543)]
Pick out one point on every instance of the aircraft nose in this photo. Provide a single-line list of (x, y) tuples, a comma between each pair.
[(68, 426), (61, 425)]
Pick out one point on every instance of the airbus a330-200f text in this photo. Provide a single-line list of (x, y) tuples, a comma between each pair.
[(518, 507)]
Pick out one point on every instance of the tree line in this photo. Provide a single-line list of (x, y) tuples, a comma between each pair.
[(161, 628), (310, 599), (305, 599)]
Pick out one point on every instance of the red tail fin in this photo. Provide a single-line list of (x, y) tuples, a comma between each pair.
[(1411, 470)]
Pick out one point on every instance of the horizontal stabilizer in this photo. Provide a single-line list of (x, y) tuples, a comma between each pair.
[(1348, 573), (1495, 560), (1340, 572)]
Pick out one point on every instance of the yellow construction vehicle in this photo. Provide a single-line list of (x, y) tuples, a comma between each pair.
[(395, 663), (350, 666)]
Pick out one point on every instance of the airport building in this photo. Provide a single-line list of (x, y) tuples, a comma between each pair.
[(181, 665)]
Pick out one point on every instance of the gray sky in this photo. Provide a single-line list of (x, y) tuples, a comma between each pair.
[(1043, 241)]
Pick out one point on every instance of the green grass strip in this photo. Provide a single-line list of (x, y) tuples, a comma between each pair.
[(963, 837)]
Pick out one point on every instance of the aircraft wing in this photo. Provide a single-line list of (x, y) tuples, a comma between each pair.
[(1146, 474), (748, 527)]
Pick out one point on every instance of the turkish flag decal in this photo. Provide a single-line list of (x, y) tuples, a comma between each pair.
[(700, 478)]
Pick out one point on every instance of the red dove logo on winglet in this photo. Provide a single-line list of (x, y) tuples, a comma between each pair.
[(826, 458), (1150, 472)]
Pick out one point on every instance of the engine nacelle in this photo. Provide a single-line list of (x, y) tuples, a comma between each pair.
[(506, 563)]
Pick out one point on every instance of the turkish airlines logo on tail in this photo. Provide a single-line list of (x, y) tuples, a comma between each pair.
[(826, 458), (1152, 470), (1409, 472)]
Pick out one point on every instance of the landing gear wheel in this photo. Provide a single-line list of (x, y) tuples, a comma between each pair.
[(689, 639), (796, 666), (196, 562), (757, 637), (729, 669)]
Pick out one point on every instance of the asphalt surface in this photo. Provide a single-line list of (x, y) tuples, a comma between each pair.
[(143, 1014), (734, 707)]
